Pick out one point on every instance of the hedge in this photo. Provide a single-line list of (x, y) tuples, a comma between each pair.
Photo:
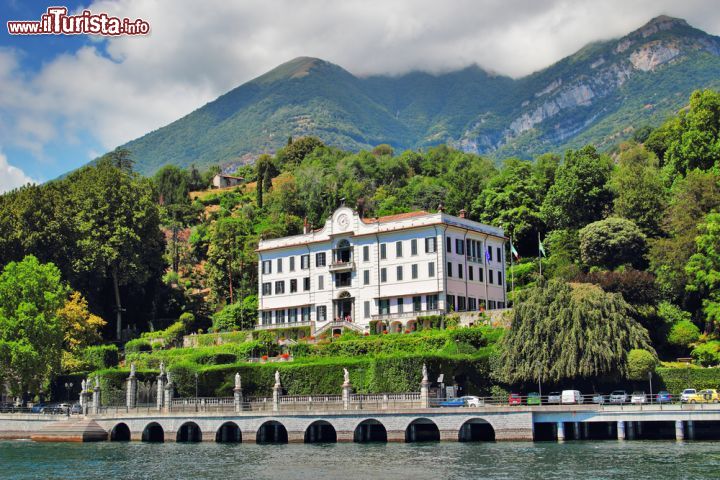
[(99, 356), (138, 345), (675, 380)]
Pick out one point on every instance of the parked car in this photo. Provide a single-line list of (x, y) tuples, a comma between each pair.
[(6, 407), (638, 397), (554, 397), (533, 398), (514, 399), (705, 396), (467, 401), (599, 398), (76, 409), (571, 396), (663, 397), (38, 408), (686, 394), (619, 396)]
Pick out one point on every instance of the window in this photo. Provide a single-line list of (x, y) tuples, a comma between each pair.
[(431, 302), (306, 284), (398, 249), (399, 271), (320, 259), (343, 279), (279, 287), (490, 277), (384, 306), (470, 272), (480, 275), (267, 288), (413, 246), (383, 275), (304, 262), (500, 304), (383, 251), (366, 253), (449, 269), (459, 246), (499, 258), (293, 285), (451, 303), (489, 254), (431, 269), (266, 267), (401, 304), (417, 303), (499, 278), (366, 277), (473, 248), (366, 306), (430, 245), (460, 270), (472, 304), (292, 315), (321, 313), (321, 282), (266, 318), (491, 304), (468, 247), (414, 270), (461, 304), (279, 316), (292, 264), (448, 243), (279, 265), (305, 314)]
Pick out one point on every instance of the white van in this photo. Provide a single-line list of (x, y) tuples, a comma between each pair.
[(571, 396)]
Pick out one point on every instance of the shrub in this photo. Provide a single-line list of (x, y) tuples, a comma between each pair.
[(472, 336), (640, 363), (675, 380), (612, 242), (138, 345), (683, 333), (237, 316), (173, 335), (707, 354), (99, 357)]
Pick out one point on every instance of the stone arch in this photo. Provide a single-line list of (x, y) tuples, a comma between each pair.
[(476, 430), (370, 430), (120, 433), (320, 431), (422, 430), (189, 432), (395, 327), (229, 432), (411, 325), (272, 431), (153, 432)]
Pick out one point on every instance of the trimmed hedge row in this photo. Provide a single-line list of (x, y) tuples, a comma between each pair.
[(675, 380), (98, 357)]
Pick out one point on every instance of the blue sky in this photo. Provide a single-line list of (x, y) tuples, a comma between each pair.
[(66, 99)]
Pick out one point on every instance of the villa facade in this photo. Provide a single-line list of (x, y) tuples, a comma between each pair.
[(382, 272)]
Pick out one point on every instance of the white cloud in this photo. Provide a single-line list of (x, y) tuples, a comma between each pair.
[(198, 50), (11, 177)]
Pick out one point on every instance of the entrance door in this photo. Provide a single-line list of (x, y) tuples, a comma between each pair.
[(344, 309)]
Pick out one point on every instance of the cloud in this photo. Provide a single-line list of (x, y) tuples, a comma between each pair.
[(114, 90), (11, 177)]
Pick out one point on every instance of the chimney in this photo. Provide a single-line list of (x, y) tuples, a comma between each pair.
[(462, 213), (306, 226)]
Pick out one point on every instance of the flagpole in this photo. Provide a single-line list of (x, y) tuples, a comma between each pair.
[(539, 254), (512, 274)]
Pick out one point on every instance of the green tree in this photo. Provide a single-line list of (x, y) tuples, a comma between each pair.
[(176, 210), (703, 269), (118, 227), (561, 332), (683, 334), (231, 259), (237, 316), (580, 194), (31, 332), (640, 363), (296, 152), (612, 242)]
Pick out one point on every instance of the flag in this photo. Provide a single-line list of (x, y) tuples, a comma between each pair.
[(514, 252), (542, 249), (487, 255)]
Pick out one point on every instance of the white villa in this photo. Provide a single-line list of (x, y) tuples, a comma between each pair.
[(388, 271)]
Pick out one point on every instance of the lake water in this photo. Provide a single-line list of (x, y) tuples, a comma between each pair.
[(517, 461)]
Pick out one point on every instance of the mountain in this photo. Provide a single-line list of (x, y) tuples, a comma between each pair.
[(599, 95)]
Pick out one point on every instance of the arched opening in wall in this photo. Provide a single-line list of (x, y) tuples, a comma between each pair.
[(650, 430), (337, 331), (272, 432), (379, 327), (395, 327), (153, 432), (189, 432), (422, 430), (228, 432), (370, 431), (411, 325), (320, 432), (544, 432), (704, 430), (120, 433), (476, 430)]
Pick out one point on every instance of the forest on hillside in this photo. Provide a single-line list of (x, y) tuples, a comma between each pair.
[(631, 238)]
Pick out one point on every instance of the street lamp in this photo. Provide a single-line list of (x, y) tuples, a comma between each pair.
[(68, 386), (539, 377), (650, 380), (196, 391)]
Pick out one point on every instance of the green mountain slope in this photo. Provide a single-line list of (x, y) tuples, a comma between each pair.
[(597, 95)]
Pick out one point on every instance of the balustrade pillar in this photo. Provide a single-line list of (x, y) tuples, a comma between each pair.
[(131, 392)]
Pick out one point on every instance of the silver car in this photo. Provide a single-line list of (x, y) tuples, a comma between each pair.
[(619, 396), (554, 397)]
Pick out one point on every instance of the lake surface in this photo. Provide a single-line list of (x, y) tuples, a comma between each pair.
[(517, 461)]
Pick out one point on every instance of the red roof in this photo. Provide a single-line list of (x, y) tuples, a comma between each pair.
[(399, 216)]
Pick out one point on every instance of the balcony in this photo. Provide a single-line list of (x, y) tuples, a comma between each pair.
[(341, 266), (274, 326), (406, 315), (342, 259)]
